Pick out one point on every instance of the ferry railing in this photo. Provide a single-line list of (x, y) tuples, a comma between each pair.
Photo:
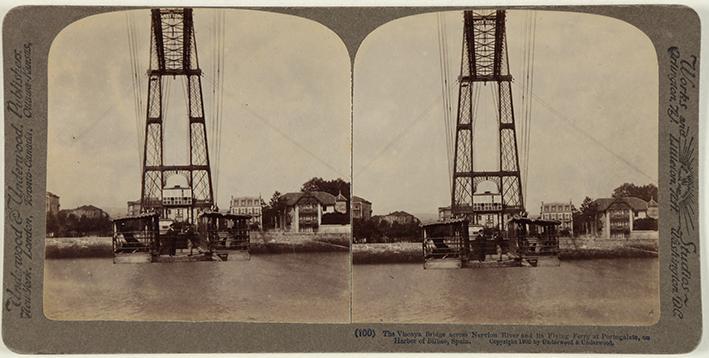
[(133, 240), (224, 231), (534, 238), (445, 240), (443, 247), (229, 239)]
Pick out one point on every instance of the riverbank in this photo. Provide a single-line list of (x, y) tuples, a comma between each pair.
[(260, 243), (579, 248)]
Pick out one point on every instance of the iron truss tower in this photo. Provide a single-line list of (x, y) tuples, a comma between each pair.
[(485, 60), (173, 53)]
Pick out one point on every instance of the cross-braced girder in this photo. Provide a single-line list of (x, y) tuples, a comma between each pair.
[(484, 59), (173, 53)]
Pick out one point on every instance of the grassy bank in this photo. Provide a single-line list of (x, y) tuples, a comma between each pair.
[(411, 252), (397, 252), (261, 243), (277, 243), (78, 247)]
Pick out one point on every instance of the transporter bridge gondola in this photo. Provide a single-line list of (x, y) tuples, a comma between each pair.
[(135, 238), (445, 244), (227, 234), (535, 241)]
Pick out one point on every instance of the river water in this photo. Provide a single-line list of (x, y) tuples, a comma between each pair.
[(587, 292), (305, 288), (314, 288)]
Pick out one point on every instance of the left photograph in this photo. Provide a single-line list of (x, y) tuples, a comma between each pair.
[(198, 169)]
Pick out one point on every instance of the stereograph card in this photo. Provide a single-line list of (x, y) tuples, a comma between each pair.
[(340, 179)]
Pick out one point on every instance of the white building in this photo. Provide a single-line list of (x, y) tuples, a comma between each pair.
[(303, 211), (248, 205), (561, 212)]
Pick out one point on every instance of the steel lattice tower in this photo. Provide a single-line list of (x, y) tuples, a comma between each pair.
[(485, 60), (173, 53)]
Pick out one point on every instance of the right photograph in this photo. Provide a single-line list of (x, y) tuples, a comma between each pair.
[(505, 170)]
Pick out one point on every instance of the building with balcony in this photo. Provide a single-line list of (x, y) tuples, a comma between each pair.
[(615, 216), (303, 211)]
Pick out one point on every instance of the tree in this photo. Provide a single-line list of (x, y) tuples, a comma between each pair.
[(334, 186), (584, 218), (84, 225), (364, 229), (275, 198), (52, 224), (587, 206), (269, 216), (72, 223), (645, 192)]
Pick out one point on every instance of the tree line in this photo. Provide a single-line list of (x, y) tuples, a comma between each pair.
[(65, 224), (374, 230)]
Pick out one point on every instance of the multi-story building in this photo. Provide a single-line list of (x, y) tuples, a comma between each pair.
[(484, 216), (303, 211), (399, 217), (361, 208), (133, 208), (559, 211), (444, 213), (248, 205), (52, 203), (88, 211), (615, 216), (486, 212)]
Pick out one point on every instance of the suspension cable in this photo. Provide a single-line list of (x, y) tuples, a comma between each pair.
[(442, 61)]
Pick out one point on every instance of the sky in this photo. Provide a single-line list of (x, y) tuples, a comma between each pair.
[(286, 111), (594, 119), (287, 108)]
